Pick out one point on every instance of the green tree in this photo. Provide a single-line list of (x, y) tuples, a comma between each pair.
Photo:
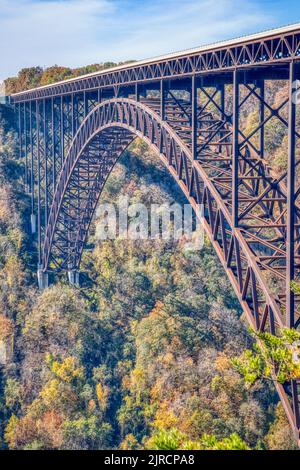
[(271, 359)]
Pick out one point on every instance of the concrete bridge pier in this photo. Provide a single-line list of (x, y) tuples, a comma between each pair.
[(43, 280), (33, 223), (73, 278)]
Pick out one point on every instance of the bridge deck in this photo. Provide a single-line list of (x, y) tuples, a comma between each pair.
[(268, 47)]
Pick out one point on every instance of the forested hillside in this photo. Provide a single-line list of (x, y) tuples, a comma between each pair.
[(32, 77), (138, 357)]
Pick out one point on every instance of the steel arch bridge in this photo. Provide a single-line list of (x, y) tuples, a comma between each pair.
[(190, 108)]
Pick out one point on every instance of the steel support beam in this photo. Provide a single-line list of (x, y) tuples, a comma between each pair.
[(235, 149), (137, 92), (46, 148), (290, 236), (53, 146), (62, 131), (221, 88), (162, 99), (262, 118), (20, 131), (39, 220), (25, 147), (194, 117), (32, 178)]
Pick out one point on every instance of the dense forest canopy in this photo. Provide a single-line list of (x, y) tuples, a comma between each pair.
[(33, 77), (138, 357)]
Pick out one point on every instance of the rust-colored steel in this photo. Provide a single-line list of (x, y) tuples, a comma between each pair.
[(189, 108)]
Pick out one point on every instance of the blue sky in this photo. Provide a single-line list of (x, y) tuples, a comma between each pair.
[(80, 32)]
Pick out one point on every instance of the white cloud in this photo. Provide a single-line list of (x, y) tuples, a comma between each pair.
[(47, 32), (78, 32), (180, 25)]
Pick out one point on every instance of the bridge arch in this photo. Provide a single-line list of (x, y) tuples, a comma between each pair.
[(102, 137)]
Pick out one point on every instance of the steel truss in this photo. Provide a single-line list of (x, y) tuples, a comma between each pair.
[(72, 134), (269, 49)]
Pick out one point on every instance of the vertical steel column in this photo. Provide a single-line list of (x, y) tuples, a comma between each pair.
[(62, 134), (235, 149), (137, 93), (85, 107), (69, 219), (73, 127), (25, 147), (39, 180), (222, 101), (69, 122), (194, 120), (262, 118), (20, 130), (53, 146), (46, 144), (32, 169), (290, 237), (137, 98), (57, 140), (162, 99), (50, 154)]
